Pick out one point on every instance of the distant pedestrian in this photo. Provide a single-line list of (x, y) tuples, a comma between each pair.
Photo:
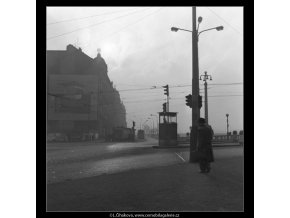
[(205, 135)]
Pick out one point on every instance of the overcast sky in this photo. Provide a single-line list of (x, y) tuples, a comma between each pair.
[(142, 52)]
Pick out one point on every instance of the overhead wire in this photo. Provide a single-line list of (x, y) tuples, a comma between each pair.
[(177, 86), (225, 21), (133, 23), (119, 30), (89, 26), (146, 89), (159, 99), (82, 18), (224, 84)]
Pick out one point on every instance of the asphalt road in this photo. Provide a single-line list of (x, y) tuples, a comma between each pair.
[(70, 161)]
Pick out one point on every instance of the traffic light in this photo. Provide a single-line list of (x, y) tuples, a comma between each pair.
[(199, 101), (166, 90), (133, 123), (164, 107), (189, 100)]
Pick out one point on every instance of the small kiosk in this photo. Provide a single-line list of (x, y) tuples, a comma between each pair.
[(167, 129)]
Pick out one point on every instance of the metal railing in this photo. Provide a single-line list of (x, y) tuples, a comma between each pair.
[(217, 139)]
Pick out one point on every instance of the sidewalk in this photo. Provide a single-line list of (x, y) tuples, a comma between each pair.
[(187, 145), (171, 188)]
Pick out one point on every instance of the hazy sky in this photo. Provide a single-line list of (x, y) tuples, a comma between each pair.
[(142, 52)]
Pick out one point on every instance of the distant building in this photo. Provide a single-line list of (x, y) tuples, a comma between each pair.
[(81, 98)]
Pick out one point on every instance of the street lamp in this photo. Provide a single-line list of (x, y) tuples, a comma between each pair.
[(174, 29), (218, 28), (195, 78), (199, 20), (205, 78)]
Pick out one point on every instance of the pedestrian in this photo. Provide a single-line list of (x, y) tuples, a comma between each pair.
[(205, 135)]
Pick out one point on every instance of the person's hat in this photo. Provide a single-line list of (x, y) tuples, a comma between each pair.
[(201, 120)]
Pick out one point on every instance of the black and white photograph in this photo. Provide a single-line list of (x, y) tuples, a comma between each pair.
[(158, 110), (145, 109)]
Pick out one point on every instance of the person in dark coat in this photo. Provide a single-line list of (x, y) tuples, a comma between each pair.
[(205, 135)]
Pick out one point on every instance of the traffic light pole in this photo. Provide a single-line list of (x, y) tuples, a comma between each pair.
[(195, 86), (167, 103), (166, 92)]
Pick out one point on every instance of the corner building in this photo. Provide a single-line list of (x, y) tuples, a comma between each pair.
[(81, 99)]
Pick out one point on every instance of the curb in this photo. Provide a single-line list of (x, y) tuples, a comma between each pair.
[(178, 146), (187, 146)]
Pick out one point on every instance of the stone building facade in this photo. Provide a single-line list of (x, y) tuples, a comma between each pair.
[(81, 99)]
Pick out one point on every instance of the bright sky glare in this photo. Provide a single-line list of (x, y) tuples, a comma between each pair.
[(142, 52)]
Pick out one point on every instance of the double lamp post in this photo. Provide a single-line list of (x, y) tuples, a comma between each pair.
[(195, 78)]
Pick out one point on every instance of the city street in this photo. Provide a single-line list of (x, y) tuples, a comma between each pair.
[(68, 161), (137, 177), (79, 160)]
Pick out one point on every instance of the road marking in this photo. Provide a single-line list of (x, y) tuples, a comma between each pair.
[(180, 157)]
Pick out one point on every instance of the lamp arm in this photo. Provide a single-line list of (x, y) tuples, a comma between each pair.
[(206, 30), (185, 30)]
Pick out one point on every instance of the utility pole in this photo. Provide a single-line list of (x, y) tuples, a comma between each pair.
[(205, 77), (195, 86), (48, 102), (168, 103), (227, 115), (195, 80)]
